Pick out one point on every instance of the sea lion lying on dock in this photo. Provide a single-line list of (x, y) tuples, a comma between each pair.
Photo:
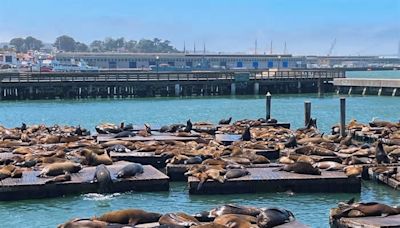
[(365, 209), (59, 178), (329, 165), (129, 216), (83, 223), (271, 217), (94, 159), (227, 209), (236, 173), (178, 219), (130, 170), (235, 221), (301, 168), (59, 168)]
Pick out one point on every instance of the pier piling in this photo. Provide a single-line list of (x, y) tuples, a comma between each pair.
[(307, 112), (268, 105), (342, 116)]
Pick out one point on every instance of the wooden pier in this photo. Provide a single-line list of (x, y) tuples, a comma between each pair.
[(30, 186), (270, 180), (383, 179), (124, 84), (367, 86)]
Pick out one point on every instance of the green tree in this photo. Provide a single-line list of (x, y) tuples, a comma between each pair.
[(97, 46), (32, 43), (65, 43), (18, 43), (81, 47)]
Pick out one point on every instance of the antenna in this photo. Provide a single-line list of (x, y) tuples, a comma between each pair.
[(270, 50), (204, 48), (184, 47), (332, 47), (194, 47), (255, 47), (284, 49)]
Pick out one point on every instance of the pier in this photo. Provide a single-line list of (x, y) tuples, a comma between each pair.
[(129, 84), (366, 86)]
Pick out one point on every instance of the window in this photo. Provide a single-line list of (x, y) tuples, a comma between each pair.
[(112, 64), (285, 64), (270, 64), (132, 64), (171, 63), (255, 65), (239, 64), (189, 63)]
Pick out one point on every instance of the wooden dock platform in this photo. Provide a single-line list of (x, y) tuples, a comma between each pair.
[(367, 222), (381, 178), (144, 158), (176, 171), (159, 137), (270, 180), (30, 186)]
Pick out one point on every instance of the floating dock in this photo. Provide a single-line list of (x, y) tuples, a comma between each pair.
[(367, 222), (30, 186), (293, 224), (383, 179), (144, 158), (271, 180), (102, 138), (176, 171)]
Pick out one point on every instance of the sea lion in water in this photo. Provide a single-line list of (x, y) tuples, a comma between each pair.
[(301, 168), (59, 178), (178, 219), (129, 216), (102, 177), (59, 168), (380, 154), (236, 173), (83, 223), (272, 217), (130, 170)]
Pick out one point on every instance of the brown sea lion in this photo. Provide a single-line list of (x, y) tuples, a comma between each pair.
[(23, 150), (285, 160), (352, 171), (368, 209), (83, 223), (59, 168), (234, 221), (179, 219), (301, 168), (95, 159), (129, 216), (228, 209), (329, 165), (210, 225), (6, 171), (380, 154), (306, 159), (59, 178)]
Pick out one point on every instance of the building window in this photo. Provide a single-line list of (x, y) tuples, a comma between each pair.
[(132, 64), (270, 64), (112, 64), (255, 65), (152, 63), (171, 63), (285, 64), (189, 63), (239, 64), (222, 63)]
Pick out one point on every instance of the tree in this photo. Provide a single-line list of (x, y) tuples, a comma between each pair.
[(97, 46), (18, 43), (32, 43), (131, 46), (81, 47), (65, 43)]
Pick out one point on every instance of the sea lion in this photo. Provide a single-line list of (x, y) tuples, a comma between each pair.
[(6, 171), (94, 159), (380, 154), (178, 219), (59, 168), (368, 209), (83, 223), (130, 170), (306, 159), (129, 216), (17, 173), (102, 177), (352, 171), (234, 221), (246, 136), (59, 178), (193, 160), (225, 121), (228, 209), (188, 127), (329, 165), (285, 160), (301, 168), (291, 142), (124, 134), (236, 173), (209, 225), (118, 148), (272, 217), (145, 132)]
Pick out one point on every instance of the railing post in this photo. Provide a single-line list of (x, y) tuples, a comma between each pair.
[(342, 116), (307, 112), (268, 106)]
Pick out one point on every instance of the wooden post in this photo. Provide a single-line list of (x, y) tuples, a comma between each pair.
[(307, 112), (268, 105), (342, 116)]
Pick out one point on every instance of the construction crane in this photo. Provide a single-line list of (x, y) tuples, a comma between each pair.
[(332, 47)]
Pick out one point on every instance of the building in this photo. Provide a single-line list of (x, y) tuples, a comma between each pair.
[(9, 58), (184, 61)]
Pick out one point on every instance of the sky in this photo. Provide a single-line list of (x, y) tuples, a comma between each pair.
[(309, 27)]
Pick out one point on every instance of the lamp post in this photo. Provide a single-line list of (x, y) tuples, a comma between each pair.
[(157, 59), (279, 64)]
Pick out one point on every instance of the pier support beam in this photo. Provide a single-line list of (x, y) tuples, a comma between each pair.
[(380, 91), (299, 87), (320, 87), (350, 89), (177, 90), (394, 92), (256, 88), (364, 91), (307, 112), (268, 106), (342, 116), (233, 89)]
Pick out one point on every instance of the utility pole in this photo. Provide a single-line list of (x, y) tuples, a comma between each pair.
[(270, 49), (255, 47), (284, 49), (194, 47), (184, 47)]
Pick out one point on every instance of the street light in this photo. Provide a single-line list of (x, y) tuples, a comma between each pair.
[(279, 61)]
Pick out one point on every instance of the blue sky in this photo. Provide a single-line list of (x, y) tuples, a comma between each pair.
[(360, 27)]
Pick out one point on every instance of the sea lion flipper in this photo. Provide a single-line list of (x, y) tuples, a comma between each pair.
[(384, 215)]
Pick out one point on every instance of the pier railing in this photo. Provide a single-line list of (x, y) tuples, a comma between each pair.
[(117, 76)]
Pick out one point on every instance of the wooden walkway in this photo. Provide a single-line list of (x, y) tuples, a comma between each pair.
[(30, 186), (270, 180)]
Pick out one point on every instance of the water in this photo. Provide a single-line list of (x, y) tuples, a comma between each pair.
[(311, 209), (386, 74)]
